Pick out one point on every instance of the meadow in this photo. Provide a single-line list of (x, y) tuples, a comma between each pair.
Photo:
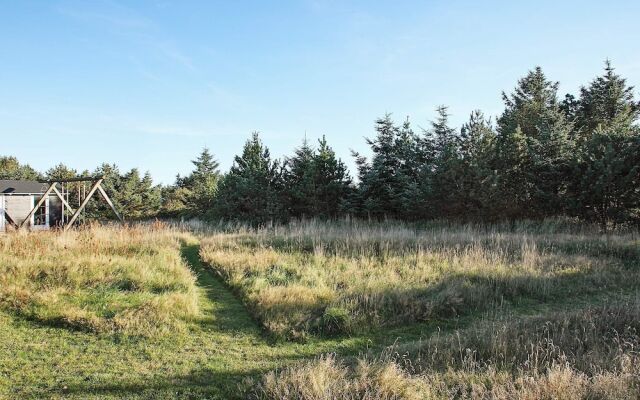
[(343, 310), (586, 354), (332, 279)]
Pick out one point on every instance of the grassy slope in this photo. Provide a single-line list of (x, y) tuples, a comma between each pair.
[(219, 351)]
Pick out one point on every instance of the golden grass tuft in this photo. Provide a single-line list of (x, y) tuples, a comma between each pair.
[(326, 378)]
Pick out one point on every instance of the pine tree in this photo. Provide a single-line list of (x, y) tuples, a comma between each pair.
[(151, 196), (443, 136), (331, 183), (112, 184), (388, 181), (61, 171), (607, 184), (10, 168), (607, 104), (194, 194), (606, 167), (299, 182), (202, 183), (442, 180), (130, 196), (252, 190), (478, 180), (539, 181)]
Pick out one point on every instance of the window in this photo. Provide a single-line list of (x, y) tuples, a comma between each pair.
[(41, 217)]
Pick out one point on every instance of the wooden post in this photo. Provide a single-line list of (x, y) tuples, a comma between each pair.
[(108, 200), (8, 218), (42, 200), (84, 204), (61, 197)]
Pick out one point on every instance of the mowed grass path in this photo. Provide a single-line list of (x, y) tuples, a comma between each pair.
[(220, 350)]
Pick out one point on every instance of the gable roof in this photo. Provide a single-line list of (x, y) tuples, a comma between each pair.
[(17, 187)]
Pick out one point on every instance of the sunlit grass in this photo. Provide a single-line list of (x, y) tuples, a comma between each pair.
[(115, 280), (336, 279), (586, 354), (385, 311)]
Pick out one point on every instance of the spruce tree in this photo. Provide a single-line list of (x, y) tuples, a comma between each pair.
[(539, 181), (607, 104), (298, 180), (478, 180), (606, 168), (112, 184), (607, 184), (385, 182), (252, 190), (61, 171), (202, 183), (193, 195), (331, 183), (443, 186)]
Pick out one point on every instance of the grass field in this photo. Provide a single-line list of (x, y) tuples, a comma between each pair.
[(103, 280), (343, 280), (320, 311)]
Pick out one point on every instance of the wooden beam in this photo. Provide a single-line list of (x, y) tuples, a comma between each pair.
[(10, 220), (61, 197), (76, 214), (42, 200), (108, 200), (80, 179)]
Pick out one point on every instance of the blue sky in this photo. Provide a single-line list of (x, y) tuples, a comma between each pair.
[(147, 84)]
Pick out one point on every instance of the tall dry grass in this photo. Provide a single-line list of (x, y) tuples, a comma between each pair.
[(104, 279), (587, 354), (341, 278)]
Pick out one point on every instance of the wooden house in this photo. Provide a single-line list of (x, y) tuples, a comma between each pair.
[(17, 200)]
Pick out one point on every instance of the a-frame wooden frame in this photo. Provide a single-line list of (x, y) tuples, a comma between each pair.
[(95, 187)]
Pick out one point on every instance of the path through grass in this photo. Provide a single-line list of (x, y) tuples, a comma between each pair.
[(222, 348)]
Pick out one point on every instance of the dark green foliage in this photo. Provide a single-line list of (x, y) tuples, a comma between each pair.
[(10, 168), (252, 190), (546, 158), (299, 182), (134, 196), (605, 181), (389, 183), (607, 184), (137, 196), (607, 104), (61, 171), (194, 194), (533, 147), (317, 184), (445, 177), (478, 179)]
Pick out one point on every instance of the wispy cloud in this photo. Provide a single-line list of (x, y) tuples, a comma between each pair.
[(119, 20), (107, 13)]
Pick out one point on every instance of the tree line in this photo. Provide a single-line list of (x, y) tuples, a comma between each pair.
[(578, 156)]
